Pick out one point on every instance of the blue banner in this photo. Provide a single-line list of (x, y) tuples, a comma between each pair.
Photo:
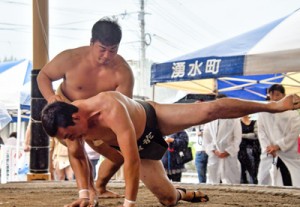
[(197, 68)]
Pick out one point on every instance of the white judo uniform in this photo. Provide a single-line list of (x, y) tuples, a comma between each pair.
[(223, 135), (280, 129)]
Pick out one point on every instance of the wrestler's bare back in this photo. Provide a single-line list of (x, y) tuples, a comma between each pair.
[(101, 107)]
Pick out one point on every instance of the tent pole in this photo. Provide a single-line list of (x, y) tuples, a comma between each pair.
[(19, 119), (153, 92)]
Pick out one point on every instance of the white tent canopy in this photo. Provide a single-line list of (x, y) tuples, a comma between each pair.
[(271, 49), (13, 76)]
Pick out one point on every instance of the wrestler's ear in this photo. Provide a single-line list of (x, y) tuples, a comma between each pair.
[(75, 117)]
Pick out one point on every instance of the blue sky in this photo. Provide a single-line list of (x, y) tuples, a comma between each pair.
[(175, 26)]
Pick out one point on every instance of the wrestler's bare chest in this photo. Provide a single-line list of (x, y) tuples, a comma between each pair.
[(104, 134), (80, 84)]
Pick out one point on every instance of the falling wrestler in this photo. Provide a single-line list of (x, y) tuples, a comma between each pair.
[(123, 123)]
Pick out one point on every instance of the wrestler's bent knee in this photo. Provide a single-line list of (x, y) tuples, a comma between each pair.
[(168, 201)]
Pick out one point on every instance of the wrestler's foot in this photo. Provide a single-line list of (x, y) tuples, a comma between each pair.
[(192, 196), (110, 194)]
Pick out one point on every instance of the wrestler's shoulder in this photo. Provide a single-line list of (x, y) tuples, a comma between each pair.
[(121, 63), (74, 52)]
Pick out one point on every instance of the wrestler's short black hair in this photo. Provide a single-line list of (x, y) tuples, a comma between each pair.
[(107, 31), (276, 87), (57, 114)]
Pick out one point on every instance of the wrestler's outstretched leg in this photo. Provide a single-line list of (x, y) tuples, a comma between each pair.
[(155, 179), (175, 117)]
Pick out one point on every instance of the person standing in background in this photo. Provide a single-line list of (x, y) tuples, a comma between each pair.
[(27, 147), (1, 140), (93, 157), (26, 144), (171, 159), (61, 163), (222, 138), (1, 143), (249, 150), (278, 137), (201, 157), (12, 139)]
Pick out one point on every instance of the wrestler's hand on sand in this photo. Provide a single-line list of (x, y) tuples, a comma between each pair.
[(109, 194), (83, 202), (54, 98), (130, 205), (125, 206), (80, 202), (93, 198)]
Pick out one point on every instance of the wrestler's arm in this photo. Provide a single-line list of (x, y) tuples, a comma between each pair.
[(52, 71), (116, 117), (108, 167), (74, 147), (80, 165), (125, 87)]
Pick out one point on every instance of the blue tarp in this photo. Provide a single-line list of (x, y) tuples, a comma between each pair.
[(15, 86)]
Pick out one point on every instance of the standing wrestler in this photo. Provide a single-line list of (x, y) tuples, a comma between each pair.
[(137, 129), (86, 71)]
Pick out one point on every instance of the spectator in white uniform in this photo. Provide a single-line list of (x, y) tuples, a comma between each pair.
[(222, 138), (12, 139), (278, 135)]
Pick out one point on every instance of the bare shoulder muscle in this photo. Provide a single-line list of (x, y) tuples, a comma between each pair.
[(122, 66), (64, 61), (124, 77), (103, 101)]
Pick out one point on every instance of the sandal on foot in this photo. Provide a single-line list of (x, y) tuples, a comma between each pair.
[(194, 197), (199, 197)]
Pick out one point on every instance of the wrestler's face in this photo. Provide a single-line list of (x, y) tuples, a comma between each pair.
[(103, 53), (76, 131)]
